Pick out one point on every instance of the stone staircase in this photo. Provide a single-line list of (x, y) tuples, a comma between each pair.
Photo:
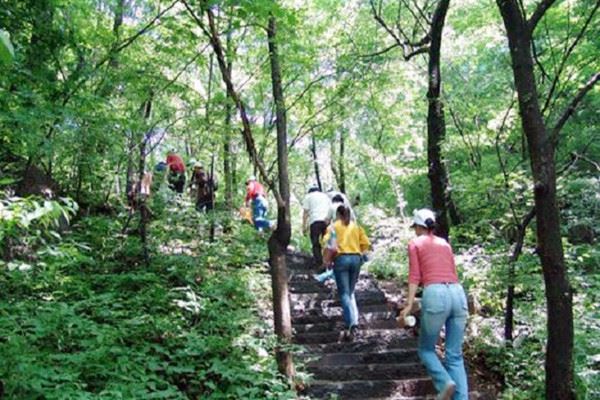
[(381, 363)]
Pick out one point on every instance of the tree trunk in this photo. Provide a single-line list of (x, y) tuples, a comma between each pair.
[(341, 171), (210, 213), (313, 149), (510, 290), (280, 238), (436, 124), (227, 162), (559, 352), (143, 207)]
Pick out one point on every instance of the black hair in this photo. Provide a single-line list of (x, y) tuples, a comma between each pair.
[(430, 224), (343, 213), (337, 198), (313, 189)]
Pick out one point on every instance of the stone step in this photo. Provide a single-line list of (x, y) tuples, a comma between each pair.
[(366, 313), (381, 335), (338, 325), (330, 298), (363, 372), (324, 389), (362, 346), (394, 356), (308, 284)]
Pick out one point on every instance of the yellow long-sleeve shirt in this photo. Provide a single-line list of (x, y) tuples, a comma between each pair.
[(351, 238)]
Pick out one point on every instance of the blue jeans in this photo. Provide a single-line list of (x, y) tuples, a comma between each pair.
[(259, 213), (444, 305), (346, 268)]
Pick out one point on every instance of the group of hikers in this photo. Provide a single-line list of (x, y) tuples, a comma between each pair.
[(339, 248), (340, 245), (202, 186)]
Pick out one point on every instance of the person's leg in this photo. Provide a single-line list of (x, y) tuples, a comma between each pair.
[(455, 329), (180, 183), (315, 240), (434, 312), (342, 280), (354, 272)]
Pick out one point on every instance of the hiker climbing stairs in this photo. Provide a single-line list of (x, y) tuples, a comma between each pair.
[(380, 363)]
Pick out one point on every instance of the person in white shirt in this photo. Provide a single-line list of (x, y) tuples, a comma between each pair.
[(339, 199), (315, 219)]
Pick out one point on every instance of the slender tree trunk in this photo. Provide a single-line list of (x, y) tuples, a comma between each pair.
[(436, 123), (510, 290), (130, 162), (228, 158), (227, 162), (210, 213), (313, 149), (280, 238), (559, 352), (341, 169), (141, 200)]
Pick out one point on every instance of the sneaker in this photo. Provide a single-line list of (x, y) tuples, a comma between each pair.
[(353, 333), (448, 392)]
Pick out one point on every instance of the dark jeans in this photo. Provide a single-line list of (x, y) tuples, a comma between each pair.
[(204, 205), (317, 230), (177, 181)]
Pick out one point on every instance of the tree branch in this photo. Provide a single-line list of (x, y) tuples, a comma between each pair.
[(572, 106), (538, 14), (566, 56), (380, 52)]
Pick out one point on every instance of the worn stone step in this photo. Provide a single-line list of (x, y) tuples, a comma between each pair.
[(361, 346), (394, 356), (375, 388), (337, 325), (368, 371), (382, 335), (315, 307), (367, 312), (314, 286), (330, 298)]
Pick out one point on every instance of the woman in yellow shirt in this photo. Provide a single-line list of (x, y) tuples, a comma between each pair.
[(352, 244)]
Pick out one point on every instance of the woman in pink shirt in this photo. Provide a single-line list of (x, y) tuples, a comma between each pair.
[(431, 264)]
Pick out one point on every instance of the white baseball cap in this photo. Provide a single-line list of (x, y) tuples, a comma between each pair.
[(421, 216)]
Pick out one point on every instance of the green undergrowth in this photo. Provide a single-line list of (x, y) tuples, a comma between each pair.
[(91, 320)]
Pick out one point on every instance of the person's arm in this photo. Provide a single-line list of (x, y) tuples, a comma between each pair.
[(248, 194), (414, 278), (304, 221), (363, 241), (412, 291)]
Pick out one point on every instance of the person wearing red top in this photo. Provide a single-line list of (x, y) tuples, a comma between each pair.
[(253, 189), (176, 169), (255, 194), (431, 264)]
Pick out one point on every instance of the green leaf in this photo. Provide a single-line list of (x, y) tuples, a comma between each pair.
[(7, 52)]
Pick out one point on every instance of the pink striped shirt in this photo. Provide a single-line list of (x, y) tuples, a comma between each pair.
[(430, 260)]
